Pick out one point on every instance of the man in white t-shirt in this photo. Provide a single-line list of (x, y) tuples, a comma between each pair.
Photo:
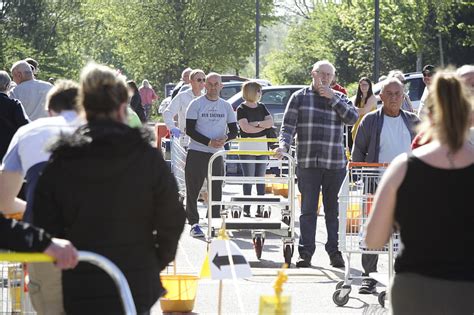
[(180, 103), (29, 91), (428, 72), (382, 135), (210, 122)]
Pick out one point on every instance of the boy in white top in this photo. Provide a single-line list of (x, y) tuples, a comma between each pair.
[(207, 120), (180, 103)]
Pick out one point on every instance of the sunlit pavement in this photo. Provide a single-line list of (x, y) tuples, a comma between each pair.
[(311, 289)]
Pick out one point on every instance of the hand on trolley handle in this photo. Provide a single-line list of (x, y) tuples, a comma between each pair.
[(279, 152), (64, 254)]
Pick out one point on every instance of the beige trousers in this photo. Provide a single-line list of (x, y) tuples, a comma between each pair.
[(45, 289)]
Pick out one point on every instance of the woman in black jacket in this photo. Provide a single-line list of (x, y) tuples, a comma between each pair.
[(109, 191)]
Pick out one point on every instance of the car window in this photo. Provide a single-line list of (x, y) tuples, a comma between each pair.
[(276, 97), (228, 92), (415, 88)]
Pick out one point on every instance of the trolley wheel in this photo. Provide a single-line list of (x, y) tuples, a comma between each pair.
[(266, 214), (236, 213), (381, 298), (339, 285), (258, 245), (286, 219), (288, 254), (338, 299)]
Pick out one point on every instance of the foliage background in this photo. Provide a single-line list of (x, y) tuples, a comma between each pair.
[(156, 39)]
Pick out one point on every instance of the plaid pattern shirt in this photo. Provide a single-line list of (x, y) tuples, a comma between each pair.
[(318, 123)]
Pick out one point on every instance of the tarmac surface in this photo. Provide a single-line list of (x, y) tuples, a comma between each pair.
[(311, 289)]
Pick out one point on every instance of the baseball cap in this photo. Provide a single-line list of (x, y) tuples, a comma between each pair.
[(428, 70)]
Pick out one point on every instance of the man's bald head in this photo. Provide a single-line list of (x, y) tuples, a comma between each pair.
[(21, 71)]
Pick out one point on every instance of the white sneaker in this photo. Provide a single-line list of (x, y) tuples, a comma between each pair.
[(196, 231)]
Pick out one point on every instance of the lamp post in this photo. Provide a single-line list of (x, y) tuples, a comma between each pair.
[(257, 39)]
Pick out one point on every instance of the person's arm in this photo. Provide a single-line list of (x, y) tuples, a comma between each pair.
[(22, 237), (360, 146), (10, 185), (171, 111), (233, 131), (344, 108), (249, 128), (169, 216), (20, 116), (369, 105), (154, 96), (194, 134), (382, 218), (288, 127)]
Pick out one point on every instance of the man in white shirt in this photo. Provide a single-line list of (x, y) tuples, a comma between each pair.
[(29, 91), (382, 135), (180, 103)]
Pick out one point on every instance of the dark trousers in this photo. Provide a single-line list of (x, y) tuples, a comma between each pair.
[(253, 170), (310, 180), (195, 173)]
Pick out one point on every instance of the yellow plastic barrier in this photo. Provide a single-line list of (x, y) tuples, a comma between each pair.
[(181, 293)]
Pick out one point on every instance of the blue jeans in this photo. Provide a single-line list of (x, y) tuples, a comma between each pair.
[(253, 170), (310, 180)]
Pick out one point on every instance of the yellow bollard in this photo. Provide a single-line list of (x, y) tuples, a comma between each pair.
[(276, 304)]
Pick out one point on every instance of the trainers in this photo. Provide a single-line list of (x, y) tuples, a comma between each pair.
[(303, 262), (196, 231), (336, 260), (368, 286)]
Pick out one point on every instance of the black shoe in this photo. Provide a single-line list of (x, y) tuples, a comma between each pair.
[(247, 214), (368, 286), (303, 262), (259, 213), (336, 260)]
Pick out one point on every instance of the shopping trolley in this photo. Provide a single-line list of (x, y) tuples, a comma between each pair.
[(283, 227), (14, 297), (178, 162), (355, 204)]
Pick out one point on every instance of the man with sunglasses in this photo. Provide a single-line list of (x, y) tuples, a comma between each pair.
[(180, 103), (428, 72)]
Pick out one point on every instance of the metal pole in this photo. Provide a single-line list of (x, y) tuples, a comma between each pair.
[(257, 40), (377, 41)]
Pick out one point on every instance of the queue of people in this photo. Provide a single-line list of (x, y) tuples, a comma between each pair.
[(89, 124)]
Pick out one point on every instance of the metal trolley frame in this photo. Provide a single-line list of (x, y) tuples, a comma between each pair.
[(257, 226), (15, 260), (355, 204)]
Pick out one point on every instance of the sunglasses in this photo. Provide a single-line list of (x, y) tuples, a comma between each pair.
[(201, 80), (427, 75)]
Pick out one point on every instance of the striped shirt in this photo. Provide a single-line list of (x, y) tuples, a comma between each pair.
[(318, 123)]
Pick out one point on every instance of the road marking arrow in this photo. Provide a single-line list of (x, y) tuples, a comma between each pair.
[(224, 260)]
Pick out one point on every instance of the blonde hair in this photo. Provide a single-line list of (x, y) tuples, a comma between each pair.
[(249, 91), (101, 90), (194, 72), (449, 110)]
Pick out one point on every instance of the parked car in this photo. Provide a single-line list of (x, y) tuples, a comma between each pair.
[(229, 89), (414, 86), (275, 99)]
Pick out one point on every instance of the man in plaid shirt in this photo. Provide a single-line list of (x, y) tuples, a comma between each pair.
[(317, 114)]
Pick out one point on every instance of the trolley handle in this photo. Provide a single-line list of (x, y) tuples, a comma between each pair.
[(270, 140), (100, 261), (366, 164)]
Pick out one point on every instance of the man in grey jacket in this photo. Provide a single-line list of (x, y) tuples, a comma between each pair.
[(382, 135)]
